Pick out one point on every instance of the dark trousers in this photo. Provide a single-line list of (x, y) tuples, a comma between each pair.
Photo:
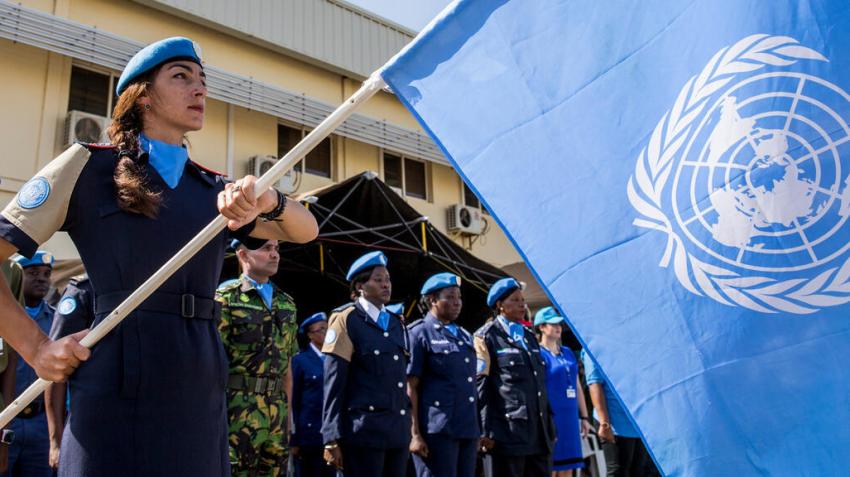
[(537, 465), (311, 463), (627, 457), (367, 462), (447, 457), (28, 453)]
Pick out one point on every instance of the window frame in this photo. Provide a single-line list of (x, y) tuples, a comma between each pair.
[(301, 167), (404, 157), (110, 92)]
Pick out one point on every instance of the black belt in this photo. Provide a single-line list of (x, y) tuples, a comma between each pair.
[(185, 305), (255, 384), (33, 409)]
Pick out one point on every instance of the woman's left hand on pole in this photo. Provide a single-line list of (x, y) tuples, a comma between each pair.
[(238, 203)]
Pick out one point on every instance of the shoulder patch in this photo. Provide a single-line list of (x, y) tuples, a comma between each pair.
[(337, 341), (34, 193), (484, 328), (67, 305)]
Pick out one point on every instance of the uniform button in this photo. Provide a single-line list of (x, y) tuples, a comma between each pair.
[(469, 379), (314, 377), (471, 399), (400, 384), (507, 416), (541, 414), (460, 343), (539, 393), (465, 360), (386, 334), (437, 403), (535, 373), (446, 351), (402, 412), (309, 424), (371, 408), (377, 352), (395, 357), (512, 363)]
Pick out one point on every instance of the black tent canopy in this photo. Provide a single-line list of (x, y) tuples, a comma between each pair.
[(362, 214)]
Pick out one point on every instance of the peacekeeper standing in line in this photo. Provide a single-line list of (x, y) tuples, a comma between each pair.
[(366, 416), (441, 385), (28, 453), (74, 313), (258, 330), (516, 421)]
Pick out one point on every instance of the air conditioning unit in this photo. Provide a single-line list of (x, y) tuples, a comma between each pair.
[(465, 219), (85, 127), (288, 184)]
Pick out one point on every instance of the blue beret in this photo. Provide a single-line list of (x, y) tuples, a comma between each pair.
[(370, 260), (316, 317), (234, 244), (155, 54), (396, 308), (38, 258), (439, 281), (500, 289), (547, 315)]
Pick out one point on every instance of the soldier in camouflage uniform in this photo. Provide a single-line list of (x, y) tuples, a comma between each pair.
[(258, 329)]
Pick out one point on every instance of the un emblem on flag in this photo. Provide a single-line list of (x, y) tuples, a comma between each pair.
[(745, 176)]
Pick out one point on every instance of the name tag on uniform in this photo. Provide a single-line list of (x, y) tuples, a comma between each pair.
[(439, 341), (571, 392), (507, 351)]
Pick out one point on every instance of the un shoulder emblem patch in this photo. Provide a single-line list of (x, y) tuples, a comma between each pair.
[(745, 175), (67, 305), (34, 193)]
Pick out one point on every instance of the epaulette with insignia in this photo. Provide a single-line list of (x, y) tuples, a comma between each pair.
[(78, 279), (91, 145), (343, 307), (415, 323), (480, 332), (228, 284)]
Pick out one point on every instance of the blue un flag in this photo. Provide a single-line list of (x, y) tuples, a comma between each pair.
[(677, 175)]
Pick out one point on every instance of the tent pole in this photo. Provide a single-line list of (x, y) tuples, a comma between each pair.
[(321, 257), (424, 237), (371, 86)]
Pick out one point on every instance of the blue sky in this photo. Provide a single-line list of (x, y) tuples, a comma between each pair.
[(413, 14)]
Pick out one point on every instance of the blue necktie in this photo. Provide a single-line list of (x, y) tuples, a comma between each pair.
[(452, 329), (517, 333), (265, 291), (168, 159), (384, 320)]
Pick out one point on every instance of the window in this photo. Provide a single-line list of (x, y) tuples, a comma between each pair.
[(409, 175), (469, 197), (318, 161), (91, 92)]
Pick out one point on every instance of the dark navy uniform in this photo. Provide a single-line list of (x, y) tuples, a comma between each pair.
[(307, 390), (75, 310), (514, 405), (150, 400), (366, 407), (445, 366)]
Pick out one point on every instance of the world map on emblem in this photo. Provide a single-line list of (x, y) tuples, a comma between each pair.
[(34, 193), (748, 174), (67, 305)]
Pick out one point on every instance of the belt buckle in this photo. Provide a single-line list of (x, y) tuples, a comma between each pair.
[(187, 305)]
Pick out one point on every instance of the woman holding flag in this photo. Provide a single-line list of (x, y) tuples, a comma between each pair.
[(149, 398)]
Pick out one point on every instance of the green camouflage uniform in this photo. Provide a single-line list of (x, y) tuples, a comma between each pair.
[(259, 343)]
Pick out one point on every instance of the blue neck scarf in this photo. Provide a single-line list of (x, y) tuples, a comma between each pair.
[(264, 289), (34, 311), (168, 160), (515, 330), (384, 320), (452, 328)]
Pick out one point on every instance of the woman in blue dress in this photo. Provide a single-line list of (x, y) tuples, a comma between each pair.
[(149, 399), (565, 395)]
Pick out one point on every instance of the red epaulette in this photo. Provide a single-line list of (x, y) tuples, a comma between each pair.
[(97, 145), (206, 169)]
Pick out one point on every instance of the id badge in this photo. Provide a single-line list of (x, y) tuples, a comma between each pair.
[(571, 392)]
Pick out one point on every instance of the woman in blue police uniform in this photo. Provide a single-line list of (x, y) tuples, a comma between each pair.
[(516, 421), (150, 400), (565, 394), (307, 388), (366, 417), (441, 385)]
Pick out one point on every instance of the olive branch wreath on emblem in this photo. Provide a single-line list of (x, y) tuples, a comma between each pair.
[(655, 163)]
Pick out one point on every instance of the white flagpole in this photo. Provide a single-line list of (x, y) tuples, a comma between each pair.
[(371, 86)]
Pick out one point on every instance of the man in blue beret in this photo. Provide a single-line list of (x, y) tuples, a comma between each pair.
[(28, 453)]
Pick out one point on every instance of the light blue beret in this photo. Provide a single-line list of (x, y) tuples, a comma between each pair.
[(314, 318), (155, 54), (370, 260), (396, 308), (547, 315), (439, 281), (38, 258), (500, 289)]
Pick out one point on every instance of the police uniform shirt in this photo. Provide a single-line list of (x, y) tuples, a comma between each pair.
[(445, 366), (307, 389), (75, 310), (24, 373), (365, 396), (159, 378), (513, 402)]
